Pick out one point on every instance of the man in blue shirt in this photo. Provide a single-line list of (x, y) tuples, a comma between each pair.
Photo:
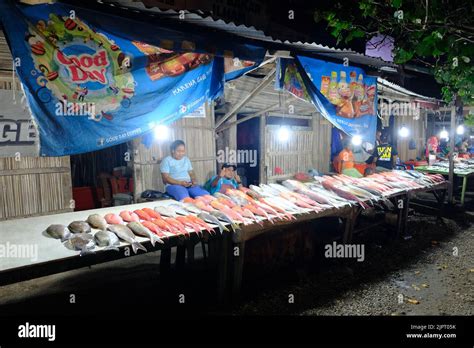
[(178, 175), (226, 179)]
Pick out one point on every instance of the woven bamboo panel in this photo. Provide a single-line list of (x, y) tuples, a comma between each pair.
[(34, 186)]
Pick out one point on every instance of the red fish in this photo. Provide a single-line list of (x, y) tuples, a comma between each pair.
[(201, 223), (187, 222), (163, 225), (154, 228), (178, 225), (152, 213), (142, 215), (113, 219), (129, 216)]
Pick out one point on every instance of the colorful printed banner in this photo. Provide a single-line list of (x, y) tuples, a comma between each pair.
[(344, 95), (96, 81)]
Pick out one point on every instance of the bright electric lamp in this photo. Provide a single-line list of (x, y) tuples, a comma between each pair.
[(356, 140), (404, 132), (444, 134), (161, 132), (460, 130), (283, 134)]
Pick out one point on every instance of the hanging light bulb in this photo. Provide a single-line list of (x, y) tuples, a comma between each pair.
[(403, 132), (283, 133), (161, 132), (460, 130), (444, 134), (356, 140)]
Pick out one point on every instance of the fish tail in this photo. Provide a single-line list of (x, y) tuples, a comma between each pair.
[(154, 238), (136, 246)]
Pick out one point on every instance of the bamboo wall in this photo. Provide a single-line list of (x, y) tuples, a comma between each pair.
[(34, 186), (197, 133), (307, 148), (417, 132)]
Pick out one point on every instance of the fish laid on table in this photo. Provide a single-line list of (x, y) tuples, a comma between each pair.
[(201, 223), (113, 219), (229, 212), (152, 213), (124, 233), (267, 202), (212, 220), (165, 211), (204, 206), (80, 241), (79, 227), (344, 194), (246, 213), (97, 221), (249, 192), (58, 232), (256, 210), (163, 225), (178, 209), (189, 223), (142, 215), (223, 217), (154, 228), (191, 208), (129, 216), (140, 230), (107, 239), (177, 225)]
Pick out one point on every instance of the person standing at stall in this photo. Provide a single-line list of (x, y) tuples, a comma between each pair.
[(178, 174), (386, 155)]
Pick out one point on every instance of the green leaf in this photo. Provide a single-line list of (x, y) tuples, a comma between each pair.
[(396, 3), (403, 56)]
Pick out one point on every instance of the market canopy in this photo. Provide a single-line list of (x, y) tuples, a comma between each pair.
[(96, 80)]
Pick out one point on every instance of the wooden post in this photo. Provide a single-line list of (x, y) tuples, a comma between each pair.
[(452, 134), (262, 165)]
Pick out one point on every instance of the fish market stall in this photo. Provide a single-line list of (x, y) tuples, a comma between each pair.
[(340, 196), (34, 253), (463, 171)]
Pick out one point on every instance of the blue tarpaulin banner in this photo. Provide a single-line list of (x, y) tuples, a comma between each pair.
[(344, 95), (96, 80)]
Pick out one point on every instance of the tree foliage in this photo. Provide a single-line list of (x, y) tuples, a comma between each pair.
[(438, 34)]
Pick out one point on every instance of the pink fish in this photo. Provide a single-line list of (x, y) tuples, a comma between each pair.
[(113, 219), (129, 216)]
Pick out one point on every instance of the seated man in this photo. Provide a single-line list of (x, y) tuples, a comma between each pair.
[(226, 179), (344, 161), (178, 175), (386, 155)]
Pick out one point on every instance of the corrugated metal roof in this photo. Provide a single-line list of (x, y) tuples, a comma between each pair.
[(200, 19), (402, 90)]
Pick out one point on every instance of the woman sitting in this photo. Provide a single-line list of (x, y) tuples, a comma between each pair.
[(226, 179)]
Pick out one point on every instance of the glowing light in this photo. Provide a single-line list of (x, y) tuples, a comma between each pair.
[(444, 134), (460, 130), (161, 132), (356, 140), (283, 134), (403, 132)]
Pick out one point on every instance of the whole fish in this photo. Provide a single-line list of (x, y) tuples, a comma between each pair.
[(229, 212), (344, 194), (178, 209), (113, 219), (79, 227), (163, 225), (223, 217), (140, 230), (203, 206), (151, 213), (201, 223), (142, 215), (106, 239), (165, 211), (80, 241), (191, 208), (58, 232), (177, 225), (124, 233), (213, 220), (129, 216), (154, 228), (250, 192), (255, 209), (188, 223), (97, 221)]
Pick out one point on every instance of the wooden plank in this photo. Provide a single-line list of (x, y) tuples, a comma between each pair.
[(27, 171)]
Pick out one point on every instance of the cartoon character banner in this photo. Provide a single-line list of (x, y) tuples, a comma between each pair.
[(96, 81), (344, 95)]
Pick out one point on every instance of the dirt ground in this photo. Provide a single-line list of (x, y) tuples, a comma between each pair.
[(430, 274)]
